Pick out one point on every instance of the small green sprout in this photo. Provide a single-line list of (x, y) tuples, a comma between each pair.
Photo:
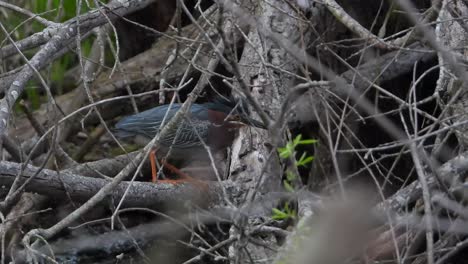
[(288, 150), (304, 160), (284, 214), (290, 177)]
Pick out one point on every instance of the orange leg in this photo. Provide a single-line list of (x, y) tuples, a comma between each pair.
[(154, 171), (174, 169), (184, 177)]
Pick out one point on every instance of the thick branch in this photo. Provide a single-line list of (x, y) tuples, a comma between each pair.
[(80, 188)]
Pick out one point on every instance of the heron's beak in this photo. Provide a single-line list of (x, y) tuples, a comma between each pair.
[(242, 120), (252, 122)]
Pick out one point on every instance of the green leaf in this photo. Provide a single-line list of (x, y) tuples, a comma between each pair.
[(283, 152), (288, 186), (308, 141), (303, 156), (304, 160), (287, 151), (290, 176), (278, 214), (307, 160), (297, 140)]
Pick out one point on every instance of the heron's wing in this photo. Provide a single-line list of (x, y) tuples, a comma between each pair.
[(146, 123), (193, 130), (191, 133)]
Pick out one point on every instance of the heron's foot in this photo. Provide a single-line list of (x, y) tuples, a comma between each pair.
[(170, 181), (203, 186), (184, 177)]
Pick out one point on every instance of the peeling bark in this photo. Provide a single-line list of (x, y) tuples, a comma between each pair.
[(268, 70), (453, 34)]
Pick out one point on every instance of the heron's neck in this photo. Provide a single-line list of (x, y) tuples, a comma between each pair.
[(216, 117)]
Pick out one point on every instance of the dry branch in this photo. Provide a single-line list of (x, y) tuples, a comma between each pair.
[(64, 35), (450, 174), (80, 188), (110, 243), (261, 64)]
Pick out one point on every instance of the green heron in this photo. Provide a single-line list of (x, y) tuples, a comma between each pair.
[(211, 123)]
